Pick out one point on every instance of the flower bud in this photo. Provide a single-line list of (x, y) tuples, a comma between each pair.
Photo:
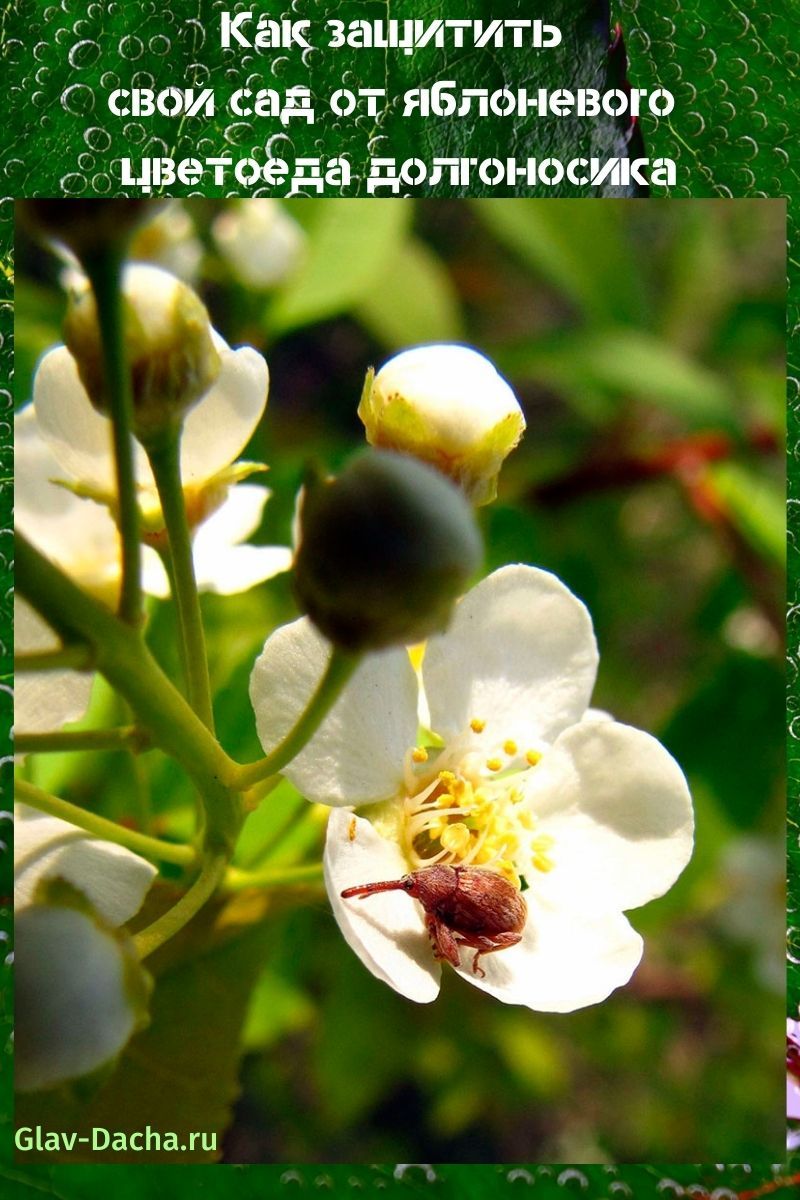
[(171, 352), (447, 405), (81, 993), (86, 226), (385, 550)]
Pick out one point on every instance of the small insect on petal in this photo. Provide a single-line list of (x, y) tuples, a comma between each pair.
[(464, 906)]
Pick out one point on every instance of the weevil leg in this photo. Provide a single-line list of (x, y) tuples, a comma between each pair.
[(444, 942), (488, 944)]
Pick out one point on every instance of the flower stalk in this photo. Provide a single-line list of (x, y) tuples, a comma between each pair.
[(176, 918), (165, 463), (104, 270), (109, 831), (129, 738), (340, 668)]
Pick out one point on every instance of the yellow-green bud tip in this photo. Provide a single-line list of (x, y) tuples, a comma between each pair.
[(448, 406)]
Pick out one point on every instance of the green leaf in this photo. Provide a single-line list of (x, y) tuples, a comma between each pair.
[(350, 246), (277, 1008), (757, 507), (582, 252), (414, 301), (625, 364), (720, 736), (180, 1074)]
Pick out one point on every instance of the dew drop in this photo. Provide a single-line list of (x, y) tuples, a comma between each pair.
[(131, 47), (78, 99), (292, 1179), (73, 184), (415, 1172), (573, 1178), (84, 54), (96, 138)]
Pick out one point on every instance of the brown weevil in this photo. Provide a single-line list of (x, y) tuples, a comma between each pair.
[(464, 906)]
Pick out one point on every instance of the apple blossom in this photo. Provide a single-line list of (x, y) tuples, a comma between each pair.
[(215, 431), (111, 877), (171, 354), (447, 405), (80, 991), (517, 775), (260, 241)]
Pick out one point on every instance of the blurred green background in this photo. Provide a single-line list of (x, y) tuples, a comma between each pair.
[(646, 345)]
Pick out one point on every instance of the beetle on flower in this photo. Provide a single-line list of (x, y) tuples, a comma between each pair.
[(513, 773)]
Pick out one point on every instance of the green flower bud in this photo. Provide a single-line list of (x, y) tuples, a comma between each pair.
[(81, 992), (86, 226), (447, 405), (385, 550), (171, 351)]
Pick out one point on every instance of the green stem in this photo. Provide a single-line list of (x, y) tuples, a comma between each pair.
[(72, 658), (124, 659), (105, 275), (165, 464), (237, 880), (109, 831), (341, 666), (129, 738), (155, 935)]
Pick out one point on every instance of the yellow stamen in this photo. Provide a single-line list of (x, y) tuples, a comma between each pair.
[(510, 747), (532, 757), (494, 764), (456, 838), (419, 754), (477, 725)]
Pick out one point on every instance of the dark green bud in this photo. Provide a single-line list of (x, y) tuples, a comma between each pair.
[(386, 549)]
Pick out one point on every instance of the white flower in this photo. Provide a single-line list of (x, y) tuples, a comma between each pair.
[(111, 877), (520, 777), (216, 430), (259, 239), (80, 990), (168, 239), (82, 539), (447, 405), (80, 994), (79, 535)]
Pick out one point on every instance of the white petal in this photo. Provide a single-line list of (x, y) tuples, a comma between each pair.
[(221, 565), (455, 392), (387, 931), (235, 519), (44, 700), (222, 423), (566, 960), (239, 568), (154, 577), (356, 756), (520, 655), (75, 1010), (79, 437), (112, 877), (216, 429), (619, 810), (260, 240)]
